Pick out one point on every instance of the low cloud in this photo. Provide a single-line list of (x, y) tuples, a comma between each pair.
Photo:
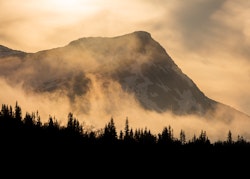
[(209, 40), (114, 102)]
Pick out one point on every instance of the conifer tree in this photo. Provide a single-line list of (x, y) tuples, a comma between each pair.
[(229, 137), (182, 137), (18, 113), (110, 134)]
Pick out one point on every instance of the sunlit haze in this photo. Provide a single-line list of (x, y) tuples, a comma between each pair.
[(209, 40)]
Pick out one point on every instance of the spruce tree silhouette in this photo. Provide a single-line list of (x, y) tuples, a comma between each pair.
[(182, 137), (29, 134), (128, 138), (110, 135), (18, 114), (166, 137)]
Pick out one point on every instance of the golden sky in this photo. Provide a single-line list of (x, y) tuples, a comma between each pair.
[(208, 39)]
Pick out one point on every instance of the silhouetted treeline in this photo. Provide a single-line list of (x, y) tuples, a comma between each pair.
[(30, 146), (19, 129)]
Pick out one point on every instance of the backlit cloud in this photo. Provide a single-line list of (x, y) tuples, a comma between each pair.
[(208, 39)]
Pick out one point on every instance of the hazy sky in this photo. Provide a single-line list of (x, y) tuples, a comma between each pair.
[(208, 39)]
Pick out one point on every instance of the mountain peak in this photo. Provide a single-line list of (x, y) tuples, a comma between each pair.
[(143, 34)]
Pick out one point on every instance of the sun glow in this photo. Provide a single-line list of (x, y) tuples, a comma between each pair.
[(64, 4), (71, 5)]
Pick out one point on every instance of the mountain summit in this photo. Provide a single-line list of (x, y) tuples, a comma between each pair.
[(135, 62), (143, 67)]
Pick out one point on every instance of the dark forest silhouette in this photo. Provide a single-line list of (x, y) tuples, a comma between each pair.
[(26, 143), (28, 129)]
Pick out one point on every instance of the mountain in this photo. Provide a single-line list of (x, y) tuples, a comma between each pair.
[(7, 52), (135, 61)]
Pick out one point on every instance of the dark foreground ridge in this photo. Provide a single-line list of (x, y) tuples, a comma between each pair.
[(39, 149), (29, 131)]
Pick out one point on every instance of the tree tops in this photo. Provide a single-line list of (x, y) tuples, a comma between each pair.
[(15, 127)]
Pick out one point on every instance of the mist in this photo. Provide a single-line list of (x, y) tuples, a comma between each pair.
[(114, 102), (208, 40)]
